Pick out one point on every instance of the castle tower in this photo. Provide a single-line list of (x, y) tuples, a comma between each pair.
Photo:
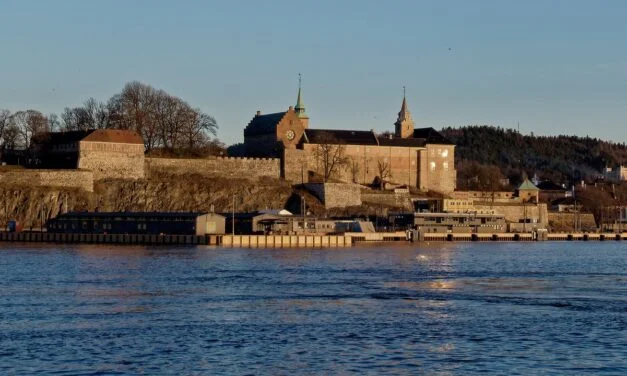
[(300, 107), (404, 126)]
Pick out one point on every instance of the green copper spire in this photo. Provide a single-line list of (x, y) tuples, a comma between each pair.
[(300, 107)]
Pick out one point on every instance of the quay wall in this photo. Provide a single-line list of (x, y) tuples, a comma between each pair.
[(290, 241), (226, 167)]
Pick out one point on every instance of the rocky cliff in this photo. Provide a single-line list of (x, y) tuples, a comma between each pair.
[(29, 205)]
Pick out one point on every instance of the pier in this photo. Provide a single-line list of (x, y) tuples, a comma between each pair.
[(299, 241)]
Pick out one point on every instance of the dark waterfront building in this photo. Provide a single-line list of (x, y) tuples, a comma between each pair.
[(169, 223), (449, 222)]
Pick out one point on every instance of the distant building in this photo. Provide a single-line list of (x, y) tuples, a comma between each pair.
[(419, 157), (108, 153), (264, 223), (550, 191), (167, 223), (449, 222), (565, 205), (527, 192), (618, 173)]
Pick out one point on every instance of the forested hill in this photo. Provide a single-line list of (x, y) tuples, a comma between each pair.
[(559, 158)]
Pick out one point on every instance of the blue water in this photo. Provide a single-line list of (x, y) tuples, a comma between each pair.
[(443, 309)]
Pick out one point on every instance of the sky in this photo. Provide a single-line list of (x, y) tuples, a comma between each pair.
[(550, 67)]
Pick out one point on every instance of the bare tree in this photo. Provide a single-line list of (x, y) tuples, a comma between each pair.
[(329, 154), (138, 105), (53, 122), (10, 137), (27, 124), (163, 120), (5, 116), (383, 168), (354, 168), (196, 131)]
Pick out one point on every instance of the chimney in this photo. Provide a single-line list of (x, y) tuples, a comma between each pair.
[(291, 108), (258, 113)]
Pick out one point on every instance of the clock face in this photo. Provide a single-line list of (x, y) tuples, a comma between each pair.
[(290, 135)]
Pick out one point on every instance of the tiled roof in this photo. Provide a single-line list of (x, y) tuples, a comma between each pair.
[(117, 136), (407, 142), (527, 186), (431, 136), (548, 185), (263, 124), (60, 137), (94, 135), (130, 214), (342, 136)]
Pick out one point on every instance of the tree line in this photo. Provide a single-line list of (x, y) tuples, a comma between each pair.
[(167, 123), (562, 159)]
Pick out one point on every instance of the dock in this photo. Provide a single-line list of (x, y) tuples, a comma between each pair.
[(297, 241)]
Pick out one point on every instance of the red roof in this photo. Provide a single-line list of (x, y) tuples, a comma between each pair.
[(114, 135)]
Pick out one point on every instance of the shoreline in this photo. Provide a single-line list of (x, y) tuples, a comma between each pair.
[(295, 241)]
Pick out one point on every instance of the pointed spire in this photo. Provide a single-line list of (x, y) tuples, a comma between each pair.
[(404, 113), (404, 125), (300, 107)]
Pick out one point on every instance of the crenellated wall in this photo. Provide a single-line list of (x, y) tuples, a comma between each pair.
[(227, 167)]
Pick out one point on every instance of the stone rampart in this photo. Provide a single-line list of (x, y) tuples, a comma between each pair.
[(388, 199), (566, 222), (80, 179), (336, 195), (112, 160), (516, 212), (227, 167)]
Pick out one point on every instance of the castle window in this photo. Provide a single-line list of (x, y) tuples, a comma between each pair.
[(445, 166), (432, 166)]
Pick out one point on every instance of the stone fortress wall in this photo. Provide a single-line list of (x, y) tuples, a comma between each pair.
[(336, 195), (101, 164), (225, 167), (428, 168), (112, 160), (78, 179)]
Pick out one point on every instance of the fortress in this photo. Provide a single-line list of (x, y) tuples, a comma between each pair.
[(278, 145), (415, 157)]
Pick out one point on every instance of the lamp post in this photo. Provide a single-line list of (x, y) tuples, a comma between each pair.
[(233, 217)]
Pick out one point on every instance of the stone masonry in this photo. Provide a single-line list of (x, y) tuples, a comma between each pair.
[(336, 195), (112, 160), (80, 179), (216, 167)]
